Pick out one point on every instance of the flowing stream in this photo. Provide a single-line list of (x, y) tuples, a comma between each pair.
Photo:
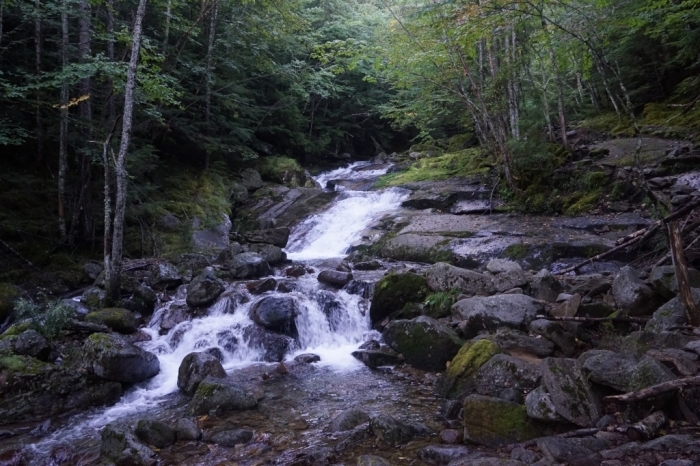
[(331, 335)]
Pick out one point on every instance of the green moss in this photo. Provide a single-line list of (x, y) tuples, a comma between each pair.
[(466, 162), (580, 202), (282, 170), (395, 290), (438, 305), (468, 360), (24, 365), (609, 123), (516, 251), (595, 180), (492, 422)]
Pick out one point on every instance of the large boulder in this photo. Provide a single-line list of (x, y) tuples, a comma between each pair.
[(112, 357), (515, 342), (488, 313), (390, 430), (632, 295), (348, 420), (271, 254), (28, 343), (394, 291), (9, 294), (276, 313), (545, 286), (164, 276), (663, 280), (271, 346), (570, 392), (493, 422), (468, 360), (120, 445), (378, 358), (214, 238), (204, 289), (119, 320), (539, 406), (425, 343), (446, 277), (228, 437), (196, 367), (220, 394), (608, 368), (503, 372), (275, 236), (248, 265), (156, 433), (251, 179), (672, 314)]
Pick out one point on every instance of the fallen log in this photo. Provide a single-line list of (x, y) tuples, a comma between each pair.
[(648, 427), (655, 390), (691, 309), (619, 320)]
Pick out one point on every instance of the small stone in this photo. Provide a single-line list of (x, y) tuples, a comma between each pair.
[(442, 454), (261, 286), (568, 308), (451, 436), (545, 286), (186, 429), (335, 278), (307, 358), (154, 432), (228, 438)]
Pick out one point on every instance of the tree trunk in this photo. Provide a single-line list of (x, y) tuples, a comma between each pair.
[(168, 17), (110, 55), (115, 260), (63, 138), (2, 11), (560, 87), (85, 112), (209, 78), (686, 295), (37, 68)]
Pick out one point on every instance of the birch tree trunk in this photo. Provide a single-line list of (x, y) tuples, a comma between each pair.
[(168, 16), (114, 261), (209, 78), (63, 138)]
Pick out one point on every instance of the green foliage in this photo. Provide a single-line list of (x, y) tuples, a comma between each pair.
[(440, 304), (49, 320), (467, 162)]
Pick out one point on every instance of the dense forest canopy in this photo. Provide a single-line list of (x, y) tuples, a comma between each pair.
[(222, 84)]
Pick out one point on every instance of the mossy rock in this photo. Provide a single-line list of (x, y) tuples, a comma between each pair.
[(220, 394), (493, 422), (426, 343), (23, 365), (469, 359), (394, 291), (9, 294), (118, 319)]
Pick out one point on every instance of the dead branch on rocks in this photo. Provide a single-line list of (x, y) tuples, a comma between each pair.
[(648, 427), (655, 390), (618, 320), (691, 309)]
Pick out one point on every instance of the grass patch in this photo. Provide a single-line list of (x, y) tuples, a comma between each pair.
[(284, 170), (609, 123), (467, 162)]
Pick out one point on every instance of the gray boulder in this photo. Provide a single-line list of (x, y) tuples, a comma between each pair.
[(489, 313), (335, 278), (371, 460), (442, 454), (93, 298), (493, 422), (248, 265), (502, 266), (155, 433), (446, 277), (545, 286), (275, 313), (633, 295), (572, 451), (275, 236), (555, 332), (228, 437), (648, 372), (204, 289), (570, 393), (112, 357), (394, 291), (608, 368), (663, 280), (390, 431), (271, 345), (502, 372), (121, 446), (261, 286), (271, 254), (514, 341), (215, 238), (348, 420), (425, 343), (196, 367), (164, 276), (508, 280), (671, 314), (220, 394), (378, 358), (118, 319), (540, 407), (251, 179), (30, 343), (186, 429)]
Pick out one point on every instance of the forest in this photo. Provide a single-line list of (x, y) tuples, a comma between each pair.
[(114, 112)]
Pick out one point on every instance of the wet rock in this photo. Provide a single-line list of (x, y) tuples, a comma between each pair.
[(451, 436), (471, 356), (93, 298), (570, 392), (204, 289), (608, 368), (192, 264), (335, 278), (276, 313), (119, 320), (370, 345), (515, 342), (120, 445), (671, 314), (425, 343), (371, 460), (348, 420), (273, 346), (307, 358), (155, 433), (633, 295), (186, 429), (663, 280), (360, 288), (442, 454), (275, 236), (273, 255), (9, 294), (368, 265), (261, 286), (228, 438), (30, 343), (112, 357), (174, 315), (446, 277), (545, 286), (378, 358), (220, 394), (295, 271), (540, 406), (164, 276), (489, 313), (502, 372), (389, 430), (248, 265), (394, 291), (493, 422), (228, 253), (571, 451), (554, 332), (196, 367)]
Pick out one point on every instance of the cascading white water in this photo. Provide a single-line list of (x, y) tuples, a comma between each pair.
[(330, 327)]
